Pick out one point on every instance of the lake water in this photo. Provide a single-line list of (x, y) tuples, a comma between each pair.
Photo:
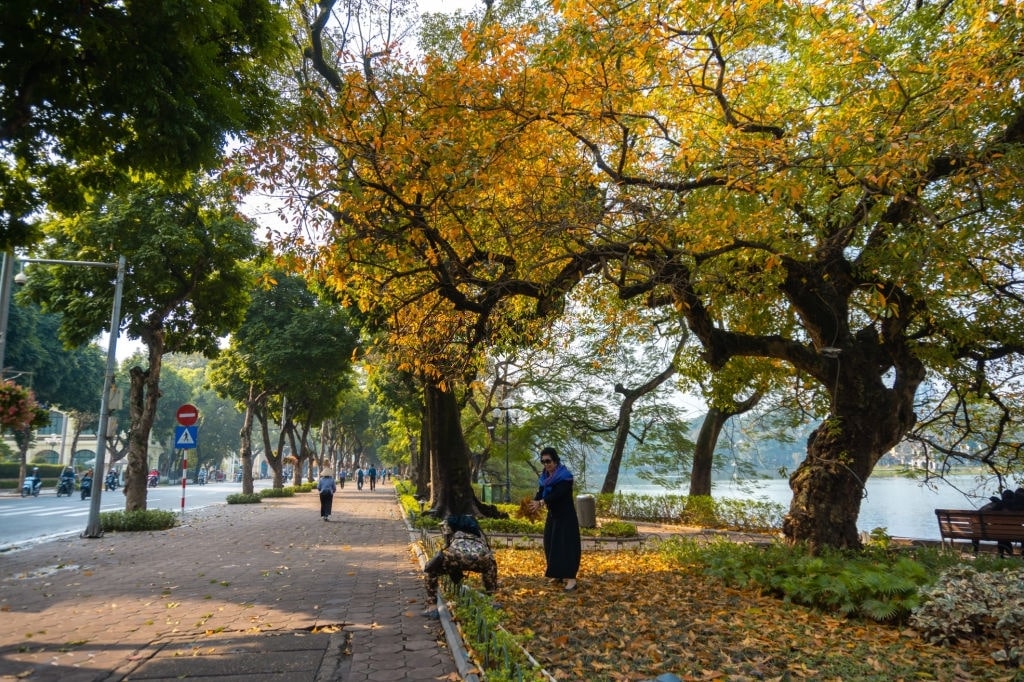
[(903, 507)]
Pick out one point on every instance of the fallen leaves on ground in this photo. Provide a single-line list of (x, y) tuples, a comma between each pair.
[(635, 616)]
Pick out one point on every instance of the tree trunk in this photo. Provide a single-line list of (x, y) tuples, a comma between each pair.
[(420, 462), (867, 420), (704, 451), (707, 441), (611, 476), (630, 396), (452, 492), (273, 458), (144, 396)]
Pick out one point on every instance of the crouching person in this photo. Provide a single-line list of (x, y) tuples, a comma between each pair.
[(465, 549)]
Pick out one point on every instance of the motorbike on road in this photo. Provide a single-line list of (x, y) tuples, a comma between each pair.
[(66, 486), (154, 478), (111, 482), (86, 487), (32, 486)]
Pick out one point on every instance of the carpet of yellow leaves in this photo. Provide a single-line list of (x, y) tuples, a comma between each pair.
[(635, 616)]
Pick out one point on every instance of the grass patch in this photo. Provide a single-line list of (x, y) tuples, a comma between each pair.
[(244, 498), (138, 520), (276, 492)]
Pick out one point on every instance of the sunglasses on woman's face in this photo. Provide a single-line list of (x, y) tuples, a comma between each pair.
[(545, 461)]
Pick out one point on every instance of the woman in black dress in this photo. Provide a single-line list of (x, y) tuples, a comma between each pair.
[(562, 528)]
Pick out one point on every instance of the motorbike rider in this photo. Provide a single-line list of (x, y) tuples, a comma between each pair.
[(86, 486), (111, 481), (67, 480), (33, 481)]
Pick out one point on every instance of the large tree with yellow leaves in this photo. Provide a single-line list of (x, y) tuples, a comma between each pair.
[(831, 188)]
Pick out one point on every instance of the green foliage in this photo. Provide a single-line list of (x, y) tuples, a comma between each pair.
[(744, 515), (612, 529), (504, 660), (140, 519), (244, 498), (277, 492), (100, 92), (512, 526), (875, 584), (71, 379), (965, 604)]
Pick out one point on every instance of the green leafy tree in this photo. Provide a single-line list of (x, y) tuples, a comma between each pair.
[(289, 360), (69, 379), (185, 288), (219, 419), (93, 92)]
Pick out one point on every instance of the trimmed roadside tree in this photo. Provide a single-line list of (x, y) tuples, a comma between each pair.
[(185, 288)]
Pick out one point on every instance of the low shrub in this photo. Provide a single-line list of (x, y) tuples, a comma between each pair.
[(512, 526), (756, 516), (881, 586), (964, 604), (499, 651), (615, 529), (276, 492), (244, 498), (306, 487), (140, 519)]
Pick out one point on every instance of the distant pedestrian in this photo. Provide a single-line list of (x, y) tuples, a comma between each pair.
[(341, 478), (562, 548), (327, 490), (359, 478), (372, 473)]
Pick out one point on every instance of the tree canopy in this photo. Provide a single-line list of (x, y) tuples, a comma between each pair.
[(186, 284), (92, 90), (828, 188)]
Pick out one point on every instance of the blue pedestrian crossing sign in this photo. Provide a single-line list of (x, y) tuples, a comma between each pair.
[(185, 437)]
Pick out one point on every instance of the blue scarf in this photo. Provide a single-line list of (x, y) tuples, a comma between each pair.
[(557, 476)]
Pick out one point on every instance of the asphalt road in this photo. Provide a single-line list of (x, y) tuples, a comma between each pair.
[(32, 519)]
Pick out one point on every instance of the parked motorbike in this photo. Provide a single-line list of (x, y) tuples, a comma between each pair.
[(111, 482), (31, 486), (66, 486), (86, 487)]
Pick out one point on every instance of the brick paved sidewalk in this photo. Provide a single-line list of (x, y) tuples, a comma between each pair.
[(266, 592)]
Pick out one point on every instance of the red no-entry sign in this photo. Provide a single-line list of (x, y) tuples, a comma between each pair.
[(188, 415)]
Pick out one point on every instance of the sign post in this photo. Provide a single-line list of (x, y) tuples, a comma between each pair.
[(185, 438)]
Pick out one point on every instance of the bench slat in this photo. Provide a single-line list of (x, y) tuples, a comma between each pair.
[(973, 524)]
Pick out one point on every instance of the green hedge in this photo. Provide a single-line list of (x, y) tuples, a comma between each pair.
[(244, 498), (703, 511), (141, 519), (514, 525)]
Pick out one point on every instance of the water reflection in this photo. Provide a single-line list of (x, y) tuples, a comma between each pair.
[(904, 507)]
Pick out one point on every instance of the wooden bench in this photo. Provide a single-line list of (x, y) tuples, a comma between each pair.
[(981, 526)]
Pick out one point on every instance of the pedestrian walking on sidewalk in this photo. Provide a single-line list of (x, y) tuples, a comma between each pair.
[(327, 489), (561, 528)]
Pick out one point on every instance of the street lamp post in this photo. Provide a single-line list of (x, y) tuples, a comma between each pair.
[(92, 529), (504, 411)]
